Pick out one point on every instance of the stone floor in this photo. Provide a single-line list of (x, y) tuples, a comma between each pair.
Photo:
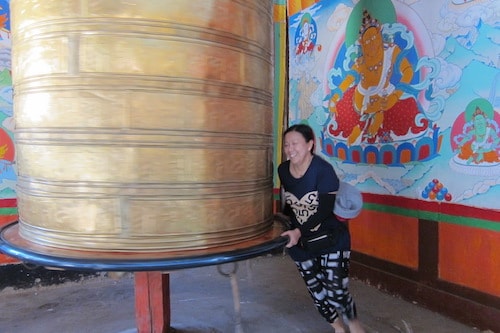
[(272, 299)]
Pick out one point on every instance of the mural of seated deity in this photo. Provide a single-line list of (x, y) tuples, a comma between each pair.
[(375, 112), (476, 140)]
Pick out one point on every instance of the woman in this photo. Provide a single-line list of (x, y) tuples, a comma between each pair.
[(310, 184)]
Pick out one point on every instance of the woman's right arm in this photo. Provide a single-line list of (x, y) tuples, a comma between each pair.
[(293, 237)]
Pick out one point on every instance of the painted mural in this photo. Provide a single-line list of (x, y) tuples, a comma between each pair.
[(7, 151), (404, 96)]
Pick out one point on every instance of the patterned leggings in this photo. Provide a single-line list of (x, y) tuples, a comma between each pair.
[(327, 279)]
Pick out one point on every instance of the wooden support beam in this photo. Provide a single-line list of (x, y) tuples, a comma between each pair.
[(152, 302)]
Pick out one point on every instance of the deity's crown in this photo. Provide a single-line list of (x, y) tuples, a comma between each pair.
[(477, 112), (368, 22)]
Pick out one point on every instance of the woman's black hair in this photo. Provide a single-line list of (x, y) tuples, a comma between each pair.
[(306, 131)]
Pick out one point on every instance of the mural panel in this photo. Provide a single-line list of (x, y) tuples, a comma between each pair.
[(404, 96), (7, 151)]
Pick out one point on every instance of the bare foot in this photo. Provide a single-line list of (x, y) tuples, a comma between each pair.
[(355, 326), (338, 326)]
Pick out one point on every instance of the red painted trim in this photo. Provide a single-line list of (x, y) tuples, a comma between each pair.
[(433, 206), (8, 203), (6, 219), (4, 259)]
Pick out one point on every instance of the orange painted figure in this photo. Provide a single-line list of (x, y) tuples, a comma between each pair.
[(371, 109)]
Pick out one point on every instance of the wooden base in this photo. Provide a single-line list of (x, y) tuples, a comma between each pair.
[(152, 302)]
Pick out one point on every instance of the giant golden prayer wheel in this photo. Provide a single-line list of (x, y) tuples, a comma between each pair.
[(143, 125)]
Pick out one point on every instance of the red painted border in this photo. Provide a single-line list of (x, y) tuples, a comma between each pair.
[(8, 203), (433, 206)]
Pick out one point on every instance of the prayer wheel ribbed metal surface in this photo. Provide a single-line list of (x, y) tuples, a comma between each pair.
[(143, 125)]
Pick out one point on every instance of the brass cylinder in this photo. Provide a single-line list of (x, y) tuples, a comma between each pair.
[(143, 125)]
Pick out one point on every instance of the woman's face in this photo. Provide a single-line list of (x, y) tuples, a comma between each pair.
[(296, 148)]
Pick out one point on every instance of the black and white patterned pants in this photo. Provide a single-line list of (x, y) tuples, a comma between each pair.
[(327, 279)]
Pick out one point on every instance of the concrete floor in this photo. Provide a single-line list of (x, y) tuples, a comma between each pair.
[(272, 299)]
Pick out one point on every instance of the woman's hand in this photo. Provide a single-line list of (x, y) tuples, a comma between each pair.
[(293, 237)]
